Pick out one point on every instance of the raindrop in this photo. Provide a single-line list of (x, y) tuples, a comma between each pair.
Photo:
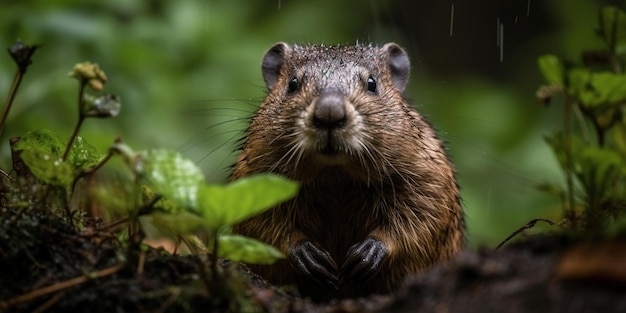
[(451, 18), (501, 42), (497, 32), (528, 9)]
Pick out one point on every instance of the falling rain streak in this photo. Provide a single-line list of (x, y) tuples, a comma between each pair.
[(451, 19), (528, 9), (500, 37)]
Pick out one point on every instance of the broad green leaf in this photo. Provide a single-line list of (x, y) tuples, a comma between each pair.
[(48, 168), (243, 249), (596, 89), (552, 69), (613, 28), (610, 87), (244, 198), (163, 204), (83, 155), (173, 225), (43, 140), (173, 176)]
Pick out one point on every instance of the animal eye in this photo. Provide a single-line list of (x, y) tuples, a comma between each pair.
[(371, 85), (293, 85)]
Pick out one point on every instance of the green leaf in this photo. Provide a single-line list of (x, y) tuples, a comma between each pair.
[(596, 89), (599, 167), (43, 140), (83, 155), (243, 249), (173, 225), (613, 28), (595, 168), (552, 69), (244, 198), (610, 87), (48, 168), (173, 176)]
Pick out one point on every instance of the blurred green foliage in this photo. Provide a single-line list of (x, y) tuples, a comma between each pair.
[(188, 74)]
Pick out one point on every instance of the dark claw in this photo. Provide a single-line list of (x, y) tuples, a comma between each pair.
[(314, 263), (363, 261)]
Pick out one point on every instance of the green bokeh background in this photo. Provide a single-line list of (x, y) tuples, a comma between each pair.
[(188, 74)]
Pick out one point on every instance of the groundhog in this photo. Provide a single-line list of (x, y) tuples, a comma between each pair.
[(378, 199)]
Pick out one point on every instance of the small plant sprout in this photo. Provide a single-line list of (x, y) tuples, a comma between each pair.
[(59, 165), (90, 74), (191, 205)]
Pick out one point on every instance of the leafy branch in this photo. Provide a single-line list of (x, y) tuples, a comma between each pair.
[(594, 94)]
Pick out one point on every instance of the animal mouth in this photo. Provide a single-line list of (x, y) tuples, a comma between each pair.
[(330, 146)]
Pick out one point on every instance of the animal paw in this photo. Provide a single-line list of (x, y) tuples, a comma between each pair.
[(314, 263), (363, 261)]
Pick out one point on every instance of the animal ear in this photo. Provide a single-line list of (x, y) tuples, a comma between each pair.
[(399, 65), (273, 61)]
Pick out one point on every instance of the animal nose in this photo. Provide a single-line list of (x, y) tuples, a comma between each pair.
[(330, 111)]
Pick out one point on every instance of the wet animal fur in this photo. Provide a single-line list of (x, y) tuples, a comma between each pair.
[(391, 182)]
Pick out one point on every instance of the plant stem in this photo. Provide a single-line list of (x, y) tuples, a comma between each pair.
[(7, 106), (81, 119), (569, 164)]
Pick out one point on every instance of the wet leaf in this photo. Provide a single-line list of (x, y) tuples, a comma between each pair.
[(48, 168), (244, 198), (243, 249), (173, 176), (552, 69), (43, 140), (83, 155)]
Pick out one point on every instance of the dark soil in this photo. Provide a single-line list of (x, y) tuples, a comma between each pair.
[(45, 265)]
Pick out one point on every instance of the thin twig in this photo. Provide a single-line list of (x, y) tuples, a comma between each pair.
[(530, 224), (48, 304), (60, 286), (7, 106)]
